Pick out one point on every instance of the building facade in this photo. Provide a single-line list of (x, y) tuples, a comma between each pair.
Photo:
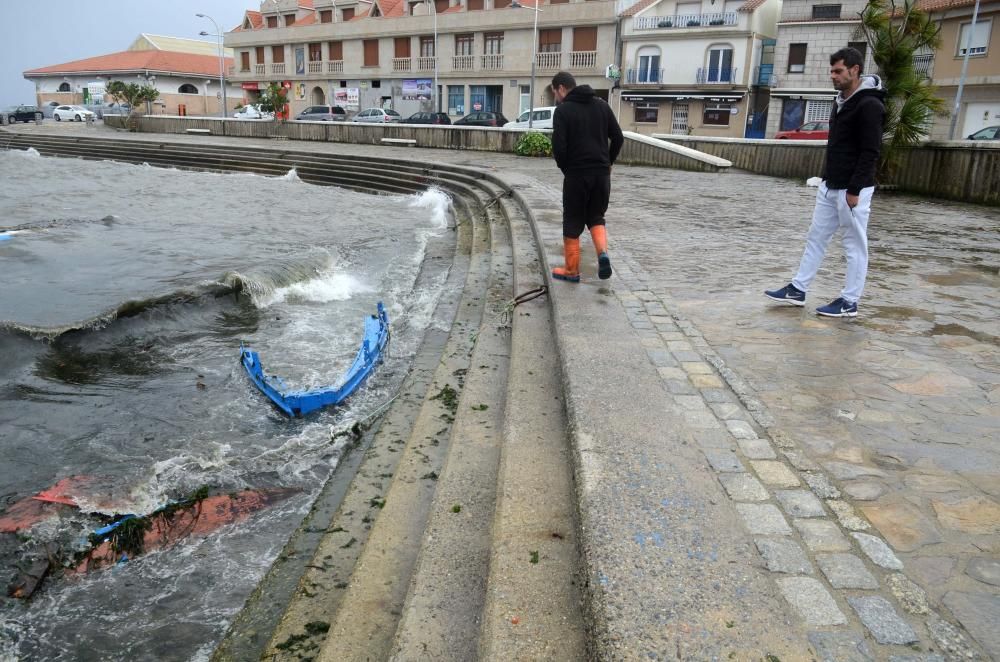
[(388, 53), (694, 67)]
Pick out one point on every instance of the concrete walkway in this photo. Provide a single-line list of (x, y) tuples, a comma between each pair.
[(753, 479)]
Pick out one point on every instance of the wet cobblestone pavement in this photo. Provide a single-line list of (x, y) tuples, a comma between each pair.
[(862, 455)]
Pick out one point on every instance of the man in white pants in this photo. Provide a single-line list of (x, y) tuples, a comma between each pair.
[(845, 195)]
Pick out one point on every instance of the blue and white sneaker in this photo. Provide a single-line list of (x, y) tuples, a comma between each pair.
[(788, 294), (839, 308)]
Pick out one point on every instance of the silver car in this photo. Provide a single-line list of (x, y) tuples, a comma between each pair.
[(378, 115)]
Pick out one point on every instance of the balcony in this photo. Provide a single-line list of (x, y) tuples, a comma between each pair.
[(763, 75), (685, 21), (426, 63), (492, 62), (401, 64), (716, 76), (315, 67), (583, 59), (278, 68), (923, 64), (260, 69), (548, 60), (335, 67), (463, 62), (644, 76)]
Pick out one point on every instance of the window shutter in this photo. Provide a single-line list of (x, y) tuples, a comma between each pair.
[(585, 39), (796, 58), (277, 54), (402, 46), (371, 52), (336, 50)]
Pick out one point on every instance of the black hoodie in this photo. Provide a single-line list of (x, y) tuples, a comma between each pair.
[(582, 127), (855, 141)]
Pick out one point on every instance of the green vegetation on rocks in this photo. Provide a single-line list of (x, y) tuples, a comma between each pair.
[(533, 144)]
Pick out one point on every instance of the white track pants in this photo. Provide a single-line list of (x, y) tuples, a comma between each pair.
[(832, 213)]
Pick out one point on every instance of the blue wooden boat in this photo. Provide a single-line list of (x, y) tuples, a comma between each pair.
[(299, 403)]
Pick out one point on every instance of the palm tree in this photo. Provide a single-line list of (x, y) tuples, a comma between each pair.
[(895, 34)]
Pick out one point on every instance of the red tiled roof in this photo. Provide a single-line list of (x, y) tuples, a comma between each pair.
[(943, 5), (452, 10), (750, 5), (306, 4), (160, 61), (638, 7), (390, 8), (306, 20), (256, 21)]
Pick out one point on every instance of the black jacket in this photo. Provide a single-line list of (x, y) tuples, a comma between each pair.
[(855, 141), (582, 127)]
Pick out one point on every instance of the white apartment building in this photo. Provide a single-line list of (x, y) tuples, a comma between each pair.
[(386, 53), (689, 66)]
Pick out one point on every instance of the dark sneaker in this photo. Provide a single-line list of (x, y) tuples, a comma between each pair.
[(839, 308), (603, 266), (788, 294)]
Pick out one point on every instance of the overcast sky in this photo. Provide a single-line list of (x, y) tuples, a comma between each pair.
[(56, 31)]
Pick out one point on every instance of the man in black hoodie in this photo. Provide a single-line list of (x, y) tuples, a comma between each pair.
[(845, 195), (586, 140)]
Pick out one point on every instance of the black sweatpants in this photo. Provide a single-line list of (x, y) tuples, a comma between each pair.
[(585, 200)]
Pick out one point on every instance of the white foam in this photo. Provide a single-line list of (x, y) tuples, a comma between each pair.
[(291, 176), (32, 152), (814, 181), (437, 202), (328, 286)]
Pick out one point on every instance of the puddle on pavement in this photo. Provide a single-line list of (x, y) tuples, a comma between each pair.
[(959, 330), (975, 275)]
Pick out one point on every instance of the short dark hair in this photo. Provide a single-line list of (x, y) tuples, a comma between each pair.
[(565, 79), (851, 57)]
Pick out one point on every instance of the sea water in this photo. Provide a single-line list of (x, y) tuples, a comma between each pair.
[(125, 292)]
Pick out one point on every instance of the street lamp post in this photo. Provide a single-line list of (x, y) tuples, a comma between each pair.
[(222, 60), (436, 105), (534, 56), (965, 70)]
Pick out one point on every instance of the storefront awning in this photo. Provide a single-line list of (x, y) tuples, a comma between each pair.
[(813, 95), (679, 96)]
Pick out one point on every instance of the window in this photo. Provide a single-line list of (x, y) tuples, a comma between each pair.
[(792, 112), (501, 4), (376, 84), (278, 54), (402, 46), (679, 118), (371, 52), (818, 111), (272, 21), (245, 61), (289, 19), (64, 87), (646, 112), (187, 88), (336, 49), (717, 113), (464, 44), (347, 14), (720, 64), (649, 65), (259, 54), (427, 47), (477, 97), (826, 11), (584, 39), (525, 100), (326, 16), (861, 47), (456, 100), (549, 41), (796, 58), (315, 52), (493, 43), (980, 38), (475, 5)]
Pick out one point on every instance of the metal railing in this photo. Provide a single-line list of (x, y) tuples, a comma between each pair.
[(550, 60), (715, 75), (685, 21), (463, 62), (796, 14), (335, 67), (644, 76), (923, 64), (260, 69), (492, 62), (401, 64), (315, 67), (426, 63), (763, 74), (278, 68), (583, 59)]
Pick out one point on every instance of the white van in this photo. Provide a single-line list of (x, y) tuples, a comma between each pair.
[(540, 119)]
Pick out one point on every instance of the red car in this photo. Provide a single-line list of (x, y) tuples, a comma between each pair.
[(808, 131)]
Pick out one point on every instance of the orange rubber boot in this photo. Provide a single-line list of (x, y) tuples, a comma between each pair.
[(600, 236), (571, 272)]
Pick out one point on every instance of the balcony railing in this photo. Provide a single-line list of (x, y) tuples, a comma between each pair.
[(315, 67), (463, 62), (583, 59), (685, 21), (644, 76), (492, 62), (763, 74), (548, 60), (715, 75), (923, 64), (792, 13), (278, 68), (400, 64), (335, 67), (426, 63), (260, 69)]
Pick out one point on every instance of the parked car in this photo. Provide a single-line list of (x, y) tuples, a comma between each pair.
[(428, 118), (378, 115), (541, 118), (989, 133), (808, 131), (482, 118), (22, 113), (252, 112), (323, 114), (72, 113)]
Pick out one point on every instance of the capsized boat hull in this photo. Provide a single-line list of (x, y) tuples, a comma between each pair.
[(300, 403)]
